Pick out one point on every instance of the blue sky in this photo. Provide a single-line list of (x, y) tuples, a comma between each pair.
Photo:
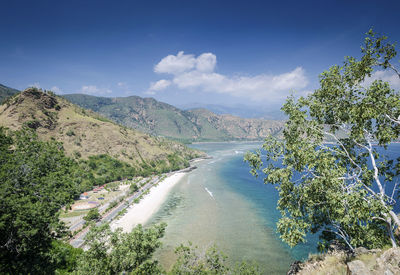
[(180, 52)]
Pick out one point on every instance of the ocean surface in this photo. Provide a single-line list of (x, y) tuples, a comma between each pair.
[(222, 203)]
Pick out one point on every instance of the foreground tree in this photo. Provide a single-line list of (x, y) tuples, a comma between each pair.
[(211, 261), (34, 184), (344, 191), (115, 252)]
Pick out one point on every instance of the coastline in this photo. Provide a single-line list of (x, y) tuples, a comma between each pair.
[(141, 212), (228, 141)]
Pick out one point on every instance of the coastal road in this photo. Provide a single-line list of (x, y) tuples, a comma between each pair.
[(81, 221), (79, 239)]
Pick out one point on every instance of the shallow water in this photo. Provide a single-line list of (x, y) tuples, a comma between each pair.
[(221, 203)]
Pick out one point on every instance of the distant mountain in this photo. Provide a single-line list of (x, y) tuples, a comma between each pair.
[(161, 119), (6, 92), (85, 133), (236, 127), (239, 110)]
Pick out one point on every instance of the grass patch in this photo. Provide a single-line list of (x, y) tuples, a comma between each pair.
[(71, 214)]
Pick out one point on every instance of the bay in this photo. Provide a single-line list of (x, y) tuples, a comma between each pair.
[(222, 203)]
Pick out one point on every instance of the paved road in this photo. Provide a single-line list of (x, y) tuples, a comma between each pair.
[(81, 221), (79, 239)]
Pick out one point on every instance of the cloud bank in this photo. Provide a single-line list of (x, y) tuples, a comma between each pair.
[(189, 72), (35, 85), (158, 86), (94, 90), (56, 89), (387, 76)]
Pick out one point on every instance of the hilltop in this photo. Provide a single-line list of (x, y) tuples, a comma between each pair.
[(85, 133), (161, 119)]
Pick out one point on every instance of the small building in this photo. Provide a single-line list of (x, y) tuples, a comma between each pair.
[(84, 196)]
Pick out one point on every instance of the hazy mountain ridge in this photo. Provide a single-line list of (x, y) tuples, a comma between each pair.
[(85, 133), (162, 119), (6, 92), (240, 128), (243, 111)]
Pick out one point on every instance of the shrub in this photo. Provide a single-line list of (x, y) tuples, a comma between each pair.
[(92, 215), (70, 133)]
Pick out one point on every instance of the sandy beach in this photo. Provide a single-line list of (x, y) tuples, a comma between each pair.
[(140, 213)]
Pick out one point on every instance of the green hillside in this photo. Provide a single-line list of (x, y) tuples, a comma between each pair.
[(86, 135), (6, 92), (161, 119)]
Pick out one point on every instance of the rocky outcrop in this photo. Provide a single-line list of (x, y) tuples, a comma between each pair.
[(388, 262), (357, 267), (362, 262)]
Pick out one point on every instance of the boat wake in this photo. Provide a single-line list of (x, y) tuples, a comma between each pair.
[(209, 192)]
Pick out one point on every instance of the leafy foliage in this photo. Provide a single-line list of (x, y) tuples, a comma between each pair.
[(37, 180), (64, 257), (211, 261), (104, 169), (114, 252), (35, 184), (339, 191), (92, 215), (133, 188), (101, 169)]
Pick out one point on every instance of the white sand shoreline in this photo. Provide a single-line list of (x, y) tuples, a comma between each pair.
[(141, 212)]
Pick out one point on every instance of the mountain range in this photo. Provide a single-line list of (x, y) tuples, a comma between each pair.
[(240, 110), (162, 119)]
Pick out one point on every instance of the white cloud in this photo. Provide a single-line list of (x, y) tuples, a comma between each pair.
[(93, 90), (172, 64), (56, 90), (256, 87), (199, 73), (158, 86), (122, 85), (387, 76), (206, 62), (35, 85)]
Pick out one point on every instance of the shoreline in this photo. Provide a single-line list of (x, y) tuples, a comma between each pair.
[(228, 141), (140, 213)]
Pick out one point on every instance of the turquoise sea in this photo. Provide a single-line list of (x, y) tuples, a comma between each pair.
[(222, 203)]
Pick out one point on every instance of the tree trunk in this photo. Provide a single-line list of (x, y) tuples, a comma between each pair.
[(390, 231)]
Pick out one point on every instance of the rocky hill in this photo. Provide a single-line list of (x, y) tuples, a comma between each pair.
[(161, 119), (85, 133)]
